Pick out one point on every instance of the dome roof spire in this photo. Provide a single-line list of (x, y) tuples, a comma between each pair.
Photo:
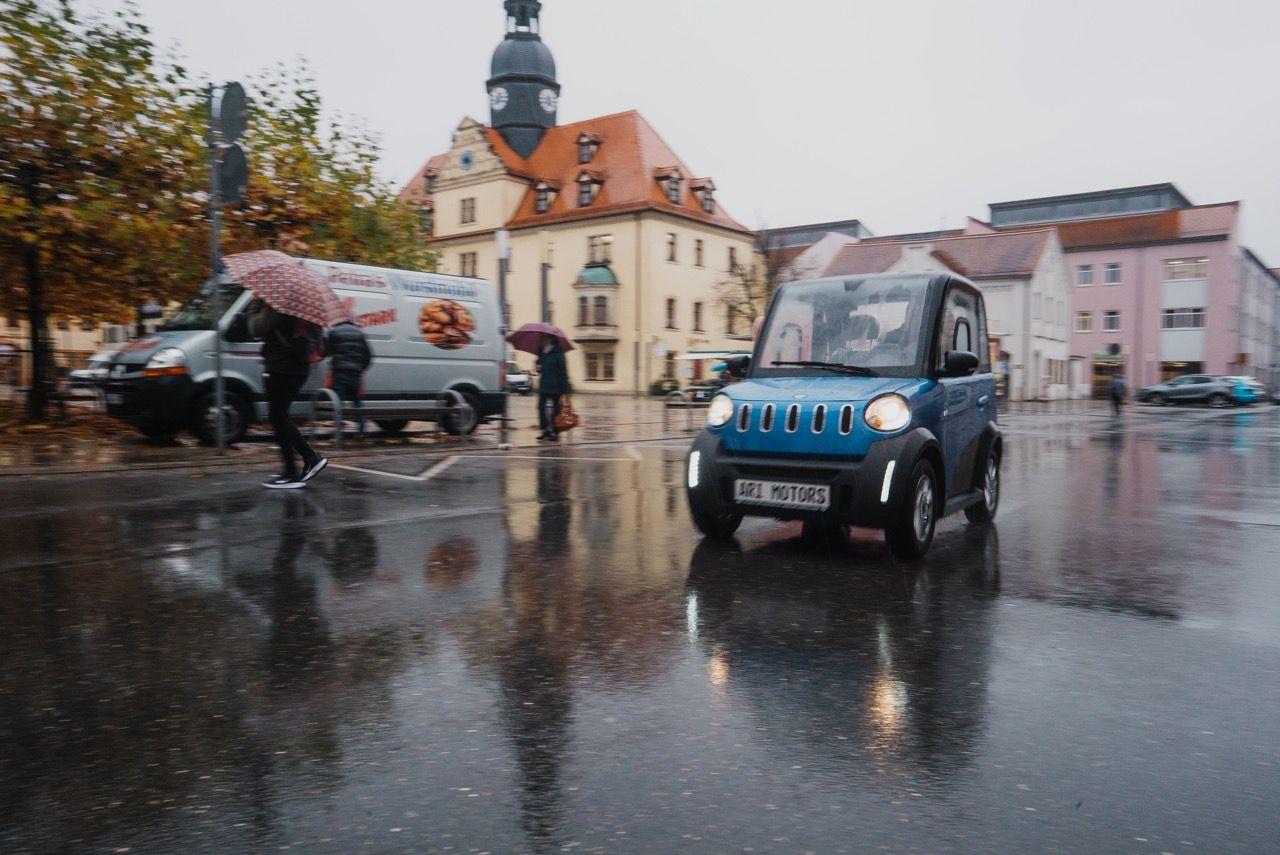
[(523, 92)]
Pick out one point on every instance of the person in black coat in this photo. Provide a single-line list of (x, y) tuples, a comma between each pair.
[(553, 382), (349, 358), (286, 363)]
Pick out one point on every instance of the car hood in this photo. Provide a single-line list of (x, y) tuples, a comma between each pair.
[(139, 351), (834, 388)]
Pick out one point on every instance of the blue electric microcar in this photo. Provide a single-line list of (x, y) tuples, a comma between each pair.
[(867, 401)]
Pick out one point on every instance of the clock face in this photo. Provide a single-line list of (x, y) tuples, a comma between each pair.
[(548, 100), (498, 98), (467, 159)]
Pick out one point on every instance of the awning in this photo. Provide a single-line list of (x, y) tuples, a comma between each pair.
[(596, 275)]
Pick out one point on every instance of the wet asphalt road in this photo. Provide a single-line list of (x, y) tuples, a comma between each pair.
[(536, 653)]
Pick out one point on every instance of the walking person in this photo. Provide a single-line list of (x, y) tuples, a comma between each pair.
[(349, 358), (1116, 391), (288, 345), (553, 384)]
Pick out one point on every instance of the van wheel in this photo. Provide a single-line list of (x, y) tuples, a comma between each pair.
[(985, 511), (911, 534), (392, 427), (463, 425), (235, 418)]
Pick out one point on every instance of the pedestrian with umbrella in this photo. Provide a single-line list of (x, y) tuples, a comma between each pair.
[(291, 309), (549, 344)]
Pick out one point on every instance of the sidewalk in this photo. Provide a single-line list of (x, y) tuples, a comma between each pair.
[(604, 419)]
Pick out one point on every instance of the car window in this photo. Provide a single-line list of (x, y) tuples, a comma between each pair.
[(958, 324)]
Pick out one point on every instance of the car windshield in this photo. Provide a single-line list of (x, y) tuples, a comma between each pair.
[(873, 324), (197, 313)]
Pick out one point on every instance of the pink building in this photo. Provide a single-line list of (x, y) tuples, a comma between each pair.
[(1158, 286)]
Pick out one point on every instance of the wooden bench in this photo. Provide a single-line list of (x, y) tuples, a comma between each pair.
[(450, 404)]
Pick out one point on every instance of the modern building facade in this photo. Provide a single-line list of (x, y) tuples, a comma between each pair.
[(612, 236), (1159, 286)]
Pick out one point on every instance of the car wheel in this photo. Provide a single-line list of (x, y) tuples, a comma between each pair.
[(985, 510), (911, 534), (1218, 400), (1157, 399), (463, 425), (392, 427), (235, 418)]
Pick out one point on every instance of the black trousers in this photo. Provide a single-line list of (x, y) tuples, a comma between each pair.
[(548, 409), (346, 385), (281, 390)]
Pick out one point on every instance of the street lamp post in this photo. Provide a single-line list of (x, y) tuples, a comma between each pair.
[(544, 276), (503, 238)]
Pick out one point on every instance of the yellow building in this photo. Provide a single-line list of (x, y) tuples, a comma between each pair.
[(612, 237)]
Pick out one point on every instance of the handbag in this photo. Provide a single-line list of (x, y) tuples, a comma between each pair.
[(566, 418)]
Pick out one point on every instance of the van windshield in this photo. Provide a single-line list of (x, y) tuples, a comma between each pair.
[(864, 323), (197, 313)]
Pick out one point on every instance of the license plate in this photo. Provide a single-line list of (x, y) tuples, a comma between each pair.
[(115, 400), (778, 494)]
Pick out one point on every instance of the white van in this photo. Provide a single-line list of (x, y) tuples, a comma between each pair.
[(429, 333)]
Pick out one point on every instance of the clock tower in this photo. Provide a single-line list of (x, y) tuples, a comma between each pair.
[(523, 92)]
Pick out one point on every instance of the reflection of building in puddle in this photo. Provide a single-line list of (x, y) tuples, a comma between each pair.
[(451, 563)]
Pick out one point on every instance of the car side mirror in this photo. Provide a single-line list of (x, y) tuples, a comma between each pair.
[(237, 329), (959, 363), (737, 366)]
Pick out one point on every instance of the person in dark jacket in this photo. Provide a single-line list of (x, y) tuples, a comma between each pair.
[(1117, 392), (349, 358), (286, 363), (553, 382)]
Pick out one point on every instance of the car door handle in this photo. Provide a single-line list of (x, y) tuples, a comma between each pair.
[(982, 402)]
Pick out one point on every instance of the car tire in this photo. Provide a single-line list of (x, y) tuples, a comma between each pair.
[(717, 526), (1217, 400), (911, 534), (392, 427), (455, 426), (989, 483), (236, 419), (1157, 399)]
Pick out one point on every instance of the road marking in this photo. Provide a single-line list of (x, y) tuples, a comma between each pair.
[(447, 462), (433, 471), (351, 468)]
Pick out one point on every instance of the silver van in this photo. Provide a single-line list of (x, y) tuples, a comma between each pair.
[(429, 333)]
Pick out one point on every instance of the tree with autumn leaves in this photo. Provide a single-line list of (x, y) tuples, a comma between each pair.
[(103, 175)]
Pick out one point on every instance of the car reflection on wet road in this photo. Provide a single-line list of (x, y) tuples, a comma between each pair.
[(536, 652)]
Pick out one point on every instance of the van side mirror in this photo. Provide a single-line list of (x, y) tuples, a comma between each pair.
[(737, 366), (959, 363), (237, 330)]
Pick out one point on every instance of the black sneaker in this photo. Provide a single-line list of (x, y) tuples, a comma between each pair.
[(284, 482), (313, 470)]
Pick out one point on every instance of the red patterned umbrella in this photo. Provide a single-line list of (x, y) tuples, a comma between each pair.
[(287, 286)]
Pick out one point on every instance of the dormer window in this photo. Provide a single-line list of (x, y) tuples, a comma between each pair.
[(673, 188), (588, 187), (705, 190), (544, 195), (429, 180), (587, 145), (708, 201)]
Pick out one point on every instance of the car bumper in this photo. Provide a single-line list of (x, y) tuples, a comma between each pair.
[(858, 490), (154, 403)]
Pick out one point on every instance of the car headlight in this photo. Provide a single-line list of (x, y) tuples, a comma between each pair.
[(888, 413), (720, 411), (168, 360)]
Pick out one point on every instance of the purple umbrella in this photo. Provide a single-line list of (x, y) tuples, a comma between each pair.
[(529, 338)]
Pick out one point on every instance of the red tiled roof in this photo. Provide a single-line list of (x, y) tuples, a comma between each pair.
[(978, 256), (415, 190), (859, 258), (1198, 223), (629, 156)]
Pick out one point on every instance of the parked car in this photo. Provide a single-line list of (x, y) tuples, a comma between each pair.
[(518, 380), (1247, 391), (1190, 389), (94, 374), (703, 392), (164, 383), (867, 401)]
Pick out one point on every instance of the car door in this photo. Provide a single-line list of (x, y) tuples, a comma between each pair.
[(968, 399)]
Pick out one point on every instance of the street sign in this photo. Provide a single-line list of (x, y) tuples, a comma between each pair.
[(232, 111), (233, 175), (503, 238)]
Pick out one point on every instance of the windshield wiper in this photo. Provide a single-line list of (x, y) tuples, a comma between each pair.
[(833, 366)]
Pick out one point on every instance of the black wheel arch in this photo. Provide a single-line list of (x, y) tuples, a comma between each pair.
[(919, 444), (229, 384)]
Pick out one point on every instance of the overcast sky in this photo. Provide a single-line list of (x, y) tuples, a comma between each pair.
[(907, 115)]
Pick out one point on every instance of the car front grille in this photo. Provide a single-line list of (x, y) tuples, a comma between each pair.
[(817, 419)]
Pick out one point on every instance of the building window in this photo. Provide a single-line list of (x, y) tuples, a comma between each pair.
[(1113, 274), (600, 367), (467, 263), (601, 315), (697, 252), (12, 321), (1084, 274), (1182, 319), (671, 246), (431, 182), (583, 307), (544, 200), (1178, 269), (671, 313), (600, 249), (1084, 321), (64, 325), (697, 317), (708, 201), (88, 326), (468, 210), (1111, 320), (427, 220), (733, 259), (730, 321), (673, 189), (584, 152), (584, 194)]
